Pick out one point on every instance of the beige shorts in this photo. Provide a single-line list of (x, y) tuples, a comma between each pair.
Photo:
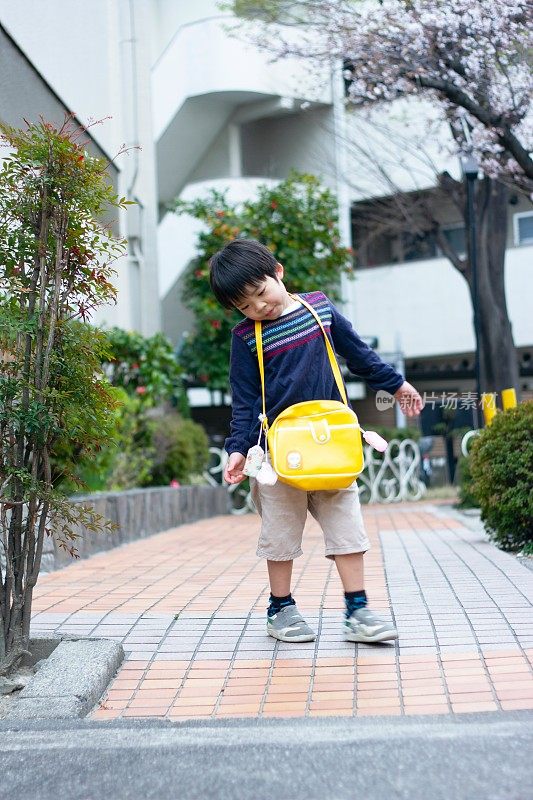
[(283, 511)]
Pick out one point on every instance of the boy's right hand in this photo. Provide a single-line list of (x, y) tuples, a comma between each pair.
[(233, 472)]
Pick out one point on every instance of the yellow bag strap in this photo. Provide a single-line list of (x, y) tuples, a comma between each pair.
[(331, 355), (259, 345)]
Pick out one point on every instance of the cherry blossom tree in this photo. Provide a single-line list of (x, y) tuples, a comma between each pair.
[(472, 60), (472, 56)]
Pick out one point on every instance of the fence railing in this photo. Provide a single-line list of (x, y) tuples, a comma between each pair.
[(387, 478)]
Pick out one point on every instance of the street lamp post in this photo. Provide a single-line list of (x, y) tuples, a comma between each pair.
[(470, 169)]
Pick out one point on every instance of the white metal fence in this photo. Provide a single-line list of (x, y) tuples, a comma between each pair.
[(386, 478)]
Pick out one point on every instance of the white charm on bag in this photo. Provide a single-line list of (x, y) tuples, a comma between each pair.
[(256, 465), (254, 460), (266, 475)]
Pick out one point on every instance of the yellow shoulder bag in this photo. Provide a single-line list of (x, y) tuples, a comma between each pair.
[(316, 444)]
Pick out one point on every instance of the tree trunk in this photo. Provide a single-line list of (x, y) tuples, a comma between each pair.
[(498, 360)]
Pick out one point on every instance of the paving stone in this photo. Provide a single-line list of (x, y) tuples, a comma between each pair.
[(453, 595)]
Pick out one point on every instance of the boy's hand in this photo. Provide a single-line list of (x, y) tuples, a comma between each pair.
[(409, 400), (234, 467)]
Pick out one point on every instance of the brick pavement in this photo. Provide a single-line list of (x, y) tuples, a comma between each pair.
[(189, 607)]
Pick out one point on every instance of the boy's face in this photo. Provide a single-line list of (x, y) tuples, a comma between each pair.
[(266, 301)]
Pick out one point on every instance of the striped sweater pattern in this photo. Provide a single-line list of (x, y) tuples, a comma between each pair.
[(291, 330)]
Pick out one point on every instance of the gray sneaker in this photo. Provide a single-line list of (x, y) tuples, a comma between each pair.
[(364, 626), (288, 625)]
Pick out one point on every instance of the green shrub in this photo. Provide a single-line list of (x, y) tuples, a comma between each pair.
[(180, 449), (142, 451), (145, 367), (396, 433), (501, 463), (124, 461), (132, 456)]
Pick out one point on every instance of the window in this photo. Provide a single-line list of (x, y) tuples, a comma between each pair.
[(456, 236), (523, 228), (401, 229), (373, 251), (418, 246)]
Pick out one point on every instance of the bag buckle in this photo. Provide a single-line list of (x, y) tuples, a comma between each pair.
[(320, 431)]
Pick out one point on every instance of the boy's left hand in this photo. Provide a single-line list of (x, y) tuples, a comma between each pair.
[(409, 400)]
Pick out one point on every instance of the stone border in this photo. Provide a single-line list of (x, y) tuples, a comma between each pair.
[(70, 681), (471, 518), (138, 513)]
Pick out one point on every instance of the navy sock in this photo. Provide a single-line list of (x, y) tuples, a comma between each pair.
[(354, 600), (277, 603)]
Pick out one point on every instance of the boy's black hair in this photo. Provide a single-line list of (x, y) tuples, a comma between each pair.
[(240, 265)]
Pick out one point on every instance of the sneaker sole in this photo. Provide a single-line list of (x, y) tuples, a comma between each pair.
[(303, 637), (385, 636)]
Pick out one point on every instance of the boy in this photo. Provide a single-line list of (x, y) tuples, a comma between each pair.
[(246, 275)]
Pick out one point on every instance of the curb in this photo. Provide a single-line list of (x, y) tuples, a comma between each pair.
[(70, 681)]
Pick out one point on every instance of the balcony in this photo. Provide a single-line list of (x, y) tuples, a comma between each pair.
[(203, 80)]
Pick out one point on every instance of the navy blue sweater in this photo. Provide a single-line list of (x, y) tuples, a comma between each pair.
[(297, 367)]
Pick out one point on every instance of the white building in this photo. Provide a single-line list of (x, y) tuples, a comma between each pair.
[(210, 111), (94, 59)]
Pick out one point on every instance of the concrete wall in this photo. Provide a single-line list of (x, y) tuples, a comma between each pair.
[(25, 95), (203, 59), (72, 45), (303, 141), (425, 305)]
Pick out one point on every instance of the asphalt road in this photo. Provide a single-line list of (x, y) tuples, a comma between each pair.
[(470, 757)]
